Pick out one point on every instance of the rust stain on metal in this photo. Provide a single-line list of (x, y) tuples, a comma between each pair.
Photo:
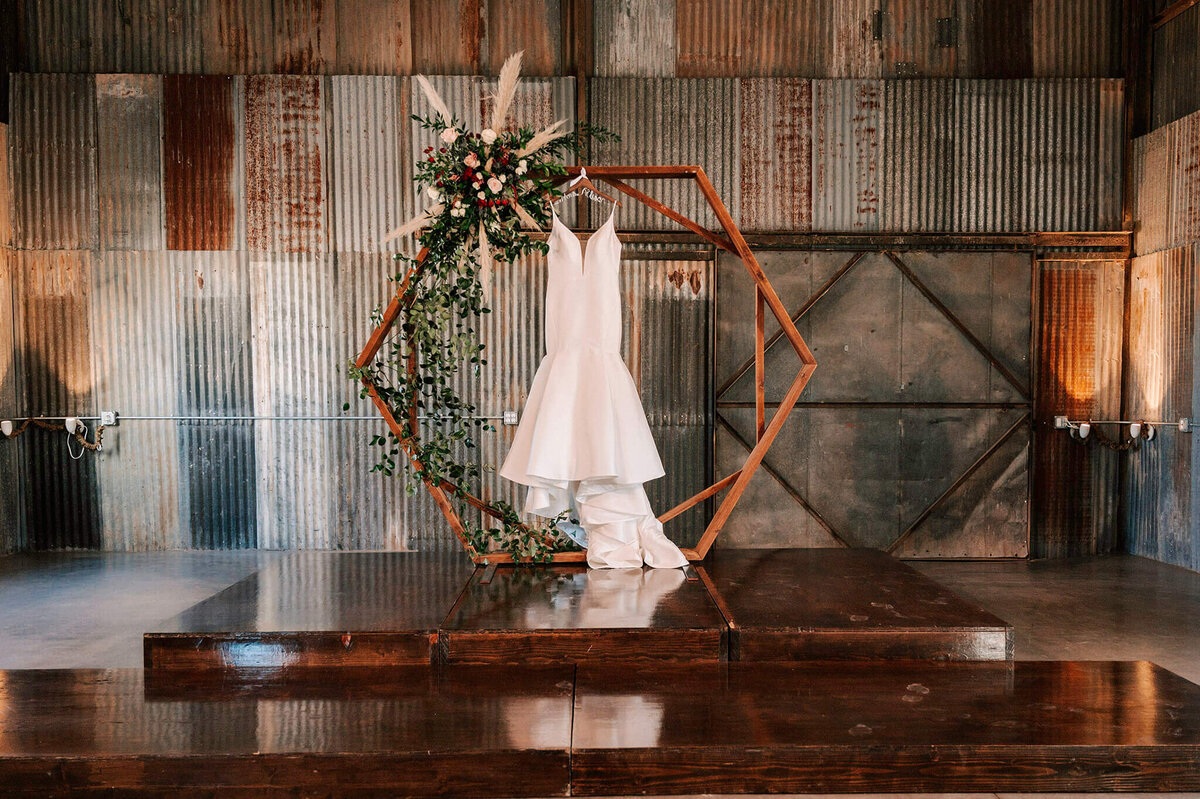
[(303, 32), (776, 154), (198, 154), (285, 195), (449, 38)]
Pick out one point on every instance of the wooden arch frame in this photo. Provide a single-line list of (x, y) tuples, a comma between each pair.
[(765, 298)]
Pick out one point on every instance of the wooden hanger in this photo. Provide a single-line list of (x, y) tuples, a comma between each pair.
[(589, 190)]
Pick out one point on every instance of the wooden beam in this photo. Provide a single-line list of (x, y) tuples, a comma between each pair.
[(696, 499), (1171, 12)]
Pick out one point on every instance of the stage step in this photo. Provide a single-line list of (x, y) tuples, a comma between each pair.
[(394, 608), (600, 729)]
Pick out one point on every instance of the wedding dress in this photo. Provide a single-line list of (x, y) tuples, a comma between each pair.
[(583, 441)]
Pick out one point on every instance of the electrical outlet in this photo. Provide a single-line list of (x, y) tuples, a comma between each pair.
[(1185, 425), (108, 418), (510, 417), (1061, 423)]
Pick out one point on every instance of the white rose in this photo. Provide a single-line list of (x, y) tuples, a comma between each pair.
[(488, 135), (523, 164), (495, 185), (471, 160), (433, 193), (479, 195), (504, 178), (449, 135)]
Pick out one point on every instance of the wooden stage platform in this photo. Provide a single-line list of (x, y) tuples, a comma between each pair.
[(371, 609), (599, 729), (380, 674)]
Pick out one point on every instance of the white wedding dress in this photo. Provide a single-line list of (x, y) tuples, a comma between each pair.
[(583, 441)]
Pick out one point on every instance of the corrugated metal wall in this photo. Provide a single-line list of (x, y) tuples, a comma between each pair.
[(12, 509), (1076, 492), (625, 38), (1162, 487), (1175, 89)]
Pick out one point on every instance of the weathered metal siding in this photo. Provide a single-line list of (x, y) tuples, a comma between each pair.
[(129, 139), (533, 26), (1079, 375), (776, 154), (53, 141), (134, 327), (203, 159), (1059, 154), (146, 36), (1076, 38), (1185, 182), (869, 472), (848, 136), (910, 38), (374, 37), (671, 121), (285, 164), (1162, 482), (447, 36), (634, 38), (56, 378), (12, 510), (1176, 74), (370, 185), (988, 168), (918, 181), (1166, 174), (215, 378)]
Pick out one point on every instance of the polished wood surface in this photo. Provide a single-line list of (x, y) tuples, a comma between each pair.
[(884, 726), (318, 609), (564, 613), (351, 732), (845, 604)]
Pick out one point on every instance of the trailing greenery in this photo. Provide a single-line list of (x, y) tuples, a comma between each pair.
[(487, 189)]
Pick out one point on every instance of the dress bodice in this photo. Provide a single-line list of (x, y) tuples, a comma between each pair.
[(583, 293)]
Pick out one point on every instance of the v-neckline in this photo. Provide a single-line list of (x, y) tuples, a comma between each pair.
[(583, 249)]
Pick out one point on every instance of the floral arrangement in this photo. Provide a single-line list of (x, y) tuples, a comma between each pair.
[(488, 191)]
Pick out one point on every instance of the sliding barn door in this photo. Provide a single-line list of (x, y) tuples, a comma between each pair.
[(914, 435)]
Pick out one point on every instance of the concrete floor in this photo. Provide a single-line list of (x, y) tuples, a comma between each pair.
[(88, 610)]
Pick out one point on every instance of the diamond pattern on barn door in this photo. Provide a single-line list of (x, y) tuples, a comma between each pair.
[(913, 435)]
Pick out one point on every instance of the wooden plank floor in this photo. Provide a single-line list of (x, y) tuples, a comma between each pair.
[(413, 730), (318, 609), (370, 609), (600, 729), (845, 604), (883, 727), (572, 614)]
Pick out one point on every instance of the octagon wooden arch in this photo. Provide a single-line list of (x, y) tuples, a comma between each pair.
[(765, 298)]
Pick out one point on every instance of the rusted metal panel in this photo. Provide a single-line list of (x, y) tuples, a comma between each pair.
[(238, 37), (919, 38), (448, 36), (784, 39), (145, 36), (670, 121), (532, 26), (57, 35), (848, 134), (1059, 155), (57, 379), (1161, 479), (53, 151), (1152, 170), (918, 162), (998, 38), (1110, 159), (374, 37), (855, 50), (707, 38), (776, 154), (202, 162), (634, 38), (285, 164), (370, 188), (6, 194), (129, 137), (215, 378), (12, 505), (133, 327), (305, 36), (988, 168), (1185, 182), (1079, 375), (1176, 74), (1076, 38)]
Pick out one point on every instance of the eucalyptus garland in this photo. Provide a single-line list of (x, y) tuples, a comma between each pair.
[(489, 191)]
